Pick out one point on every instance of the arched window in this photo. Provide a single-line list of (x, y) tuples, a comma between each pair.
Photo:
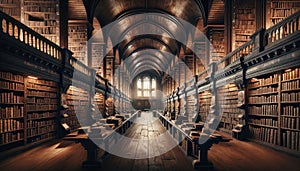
[(153, 87), (139, 88), (146, 87)]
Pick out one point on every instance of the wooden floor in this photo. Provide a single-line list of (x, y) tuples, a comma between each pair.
[(233, 155)]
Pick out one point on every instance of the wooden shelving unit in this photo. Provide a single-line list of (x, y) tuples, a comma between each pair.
[(274, 117), (77, 42), (109, 106), (216, 37), (12, 8), (263, 108), (204, 104), (99, 100), (41, 108), (29, 108), (244, 24), (12, 109), (42, 17), (290, 109), (280, 9), (228, 106), (77, 101), (109, 68), (97, 57), (191, 107)]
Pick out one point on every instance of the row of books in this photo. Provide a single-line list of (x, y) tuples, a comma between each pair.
[(35, 124), (263, 99), (282, 12), (291, 123), (291, 97), (46, 30), (273, 79), (291, 140), (41, 87), (284, 4), (11, 98), (44, 23), (264, 110), (230, 109), (290, 75), (41, 137), (244, 11), (264, 134), (8, 125), (39, 131), (9, 1), (15, 111), (42, 100), (224, 102), (291, 110), (78, 29), (32, 116), (41, 94), (11, 137), (264, 121), (11, 85), (11, 77), (39, 107), (39, 7), (291, 85), (263, 90), (11, 11), (245, 24)]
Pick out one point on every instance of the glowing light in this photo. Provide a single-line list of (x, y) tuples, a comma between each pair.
[(32, 77)]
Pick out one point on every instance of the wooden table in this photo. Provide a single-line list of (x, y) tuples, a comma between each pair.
[(103, 139), (89, 146)]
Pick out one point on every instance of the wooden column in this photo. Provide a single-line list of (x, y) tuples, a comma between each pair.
[(228, 25), (260, 7), (63, 14)]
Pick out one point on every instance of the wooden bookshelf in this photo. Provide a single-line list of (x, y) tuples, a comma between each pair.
[(191, 107), (244, 24), (77, 101), (109, 106), (42, 17), (263, 108), (290, 109), (280, 9), (274, 116), (216, 37), (99, 100), (77, 40), (204, 104), (41, 108), (12, 109), (29, 108), (109, 68), (97, 57), (228, 106), (12, 8)]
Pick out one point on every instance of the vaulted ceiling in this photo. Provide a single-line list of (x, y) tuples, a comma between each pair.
[(147, 33)]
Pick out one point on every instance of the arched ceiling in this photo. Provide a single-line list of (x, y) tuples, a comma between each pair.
[(147, 32)]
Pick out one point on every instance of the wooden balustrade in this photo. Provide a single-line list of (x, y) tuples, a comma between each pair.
[(21, 32), (283, 29), (243, 50)]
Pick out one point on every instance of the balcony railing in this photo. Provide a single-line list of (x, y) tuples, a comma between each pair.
[(21, 32), (283, 29)]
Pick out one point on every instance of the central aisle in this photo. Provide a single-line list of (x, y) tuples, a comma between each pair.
[(148, 147)]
